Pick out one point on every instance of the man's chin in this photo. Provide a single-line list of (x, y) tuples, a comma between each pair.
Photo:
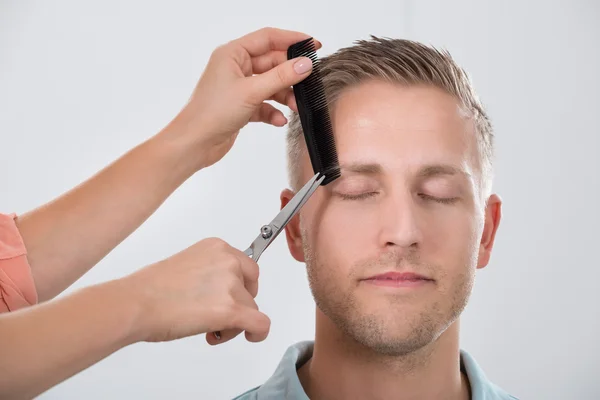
[(395, 346), (401, 318), (396, 334)]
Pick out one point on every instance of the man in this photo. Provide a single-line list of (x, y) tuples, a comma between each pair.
[(392, 247)]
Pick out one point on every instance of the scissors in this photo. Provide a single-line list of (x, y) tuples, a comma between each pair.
[(269, 232)]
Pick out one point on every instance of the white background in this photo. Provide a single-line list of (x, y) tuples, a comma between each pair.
[(81, 83)]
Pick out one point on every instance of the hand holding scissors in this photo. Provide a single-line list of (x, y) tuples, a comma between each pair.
[(268, 233)]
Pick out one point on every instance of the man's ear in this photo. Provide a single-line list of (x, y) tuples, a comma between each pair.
[(493, 214), (292, 230)]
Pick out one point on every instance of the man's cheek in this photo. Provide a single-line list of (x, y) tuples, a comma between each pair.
[(346, 246), (447, 233)]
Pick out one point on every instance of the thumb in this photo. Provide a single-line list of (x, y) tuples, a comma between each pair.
[(286, 74)]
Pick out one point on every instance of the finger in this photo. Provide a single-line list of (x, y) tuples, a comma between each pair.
[(270, 115), (249, 319), (249, 273), (268, 61), (224, 336), (243, 317), (267, 39), (286, 97), (255, 324), (266, 85)]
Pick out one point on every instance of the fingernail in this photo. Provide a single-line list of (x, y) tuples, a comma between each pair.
[(303, 65)]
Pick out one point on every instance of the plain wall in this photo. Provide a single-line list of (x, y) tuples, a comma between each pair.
[(81, 83)]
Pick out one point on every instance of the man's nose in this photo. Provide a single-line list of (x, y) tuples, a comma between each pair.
[(399, 222)]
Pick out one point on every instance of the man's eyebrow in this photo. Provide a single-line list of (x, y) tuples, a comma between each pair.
[(442, 169), (362, 168), (425, 172)]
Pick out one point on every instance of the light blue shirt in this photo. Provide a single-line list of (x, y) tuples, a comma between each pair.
[(285, 385)]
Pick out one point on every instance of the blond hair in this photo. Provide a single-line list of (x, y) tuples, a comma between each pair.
[(397, 61)]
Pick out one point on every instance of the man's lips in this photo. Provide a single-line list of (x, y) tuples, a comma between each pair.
[(399, 279), (399, 276)]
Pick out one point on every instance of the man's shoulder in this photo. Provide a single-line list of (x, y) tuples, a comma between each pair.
[(481, 387), (284, 382), (495, 392), (251, 394)]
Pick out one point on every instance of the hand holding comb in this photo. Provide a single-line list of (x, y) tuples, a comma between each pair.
[(316, 124)]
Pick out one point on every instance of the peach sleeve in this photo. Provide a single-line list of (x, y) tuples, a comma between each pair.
[(17, 288)]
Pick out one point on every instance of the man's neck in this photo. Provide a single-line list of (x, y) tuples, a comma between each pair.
[(340, 368)]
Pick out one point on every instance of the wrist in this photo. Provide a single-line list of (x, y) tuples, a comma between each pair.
[(183, 136), (127, 308)]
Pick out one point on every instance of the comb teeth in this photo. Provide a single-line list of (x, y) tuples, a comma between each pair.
[(314, 115)]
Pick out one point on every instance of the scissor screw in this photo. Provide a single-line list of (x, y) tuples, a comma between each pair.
[(266, 231)]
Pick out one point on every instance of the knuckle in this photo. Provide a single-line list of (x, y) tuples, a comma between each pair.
[(266, 321), (229, 314), (281, 74), (211, 240), (253, 271), (230, 282), (268, 30), (232, 262), (249, 87), (263, 324), (216, 243), (231, 306), (232, 285), (220, 50), (236, 317)]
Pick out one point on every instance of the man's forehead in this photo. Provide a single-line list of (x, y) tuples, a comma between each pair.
[(381, 106), (424, 123)]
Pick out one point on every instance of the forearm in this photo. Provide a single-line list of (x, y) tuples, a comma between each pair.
[(69, 235), (43, 345)]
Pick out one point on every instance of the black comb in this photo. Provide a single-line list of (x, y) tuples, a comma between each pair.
[(314, 115)]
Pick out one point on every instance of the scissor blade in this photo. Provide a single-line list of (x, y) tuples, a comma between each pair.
[(295, 204), (260, 244)]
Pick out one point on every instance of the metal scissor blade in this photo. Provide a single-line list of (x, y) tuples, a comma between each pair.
[(268, 233), (295, 204)]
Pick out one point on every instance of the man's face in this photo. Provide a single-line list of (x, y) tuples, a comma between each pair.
[(392, 246)]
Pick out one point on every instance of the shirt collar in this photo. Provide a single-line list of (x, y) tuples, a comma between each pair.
[(285, 384)]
